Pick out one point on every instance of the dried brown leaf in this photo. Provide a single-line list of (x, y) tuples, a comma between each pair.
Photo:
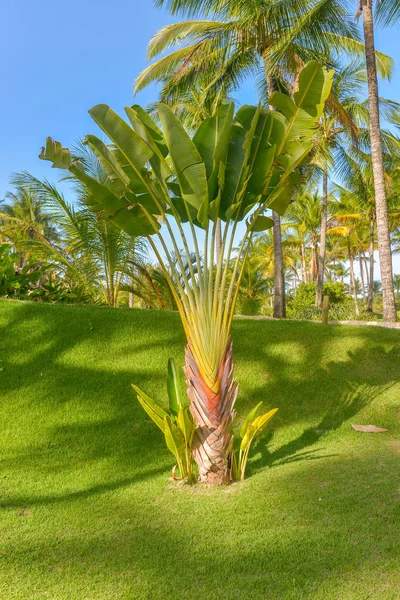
[(369, 428)]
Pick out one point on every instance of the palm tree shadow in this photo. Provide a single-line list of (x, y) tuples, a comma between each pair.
[(353, 401)]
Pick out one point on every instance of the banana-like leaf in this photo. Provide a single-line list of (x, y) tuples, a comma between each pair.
[(103, 195), (256, 427), (234, 169), (157, 161), (189, 166), (118, 178), (260, 223), (135, 221), (212, 141), (174, 392), (174, 440), (155, 412), (248, 436), (55, 153), (136, 152), (281, 201), (251, 415), (261, 422), (187, 425), (152, 128), (314, 85)]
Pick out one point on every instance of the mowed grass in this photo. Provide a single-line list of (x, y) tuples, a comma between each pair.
[(87, 508)]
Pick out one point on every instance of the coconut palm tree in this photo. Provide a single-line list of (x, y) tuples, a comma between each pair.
[(305, 216), (396, 283), (24, 216), (391, 12), (230, 169), (91, 252)]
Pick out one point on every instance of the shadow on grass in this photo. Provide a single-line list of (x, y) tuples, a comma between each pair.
[(347, 407), (91, 356), (287, 544), (95, 490)]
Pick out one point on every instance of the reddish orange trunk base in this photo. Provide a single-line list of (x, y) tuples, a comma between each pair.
[(212, 410)]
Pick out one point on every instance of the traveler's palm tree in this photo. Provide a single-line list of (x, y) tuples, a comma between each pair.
[(230, 169)]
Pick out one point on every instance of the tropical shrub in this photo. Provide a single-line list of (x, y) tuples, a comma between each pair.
[(177, 423), (232, 169), (17, 281), (306, 293), (252, 427)]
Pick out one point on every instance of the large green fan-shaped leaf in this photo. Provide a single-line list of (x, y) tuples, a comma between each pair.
[(55, 153), (155, 412), (134, 149), (157, 161), (135, 222), (174, 439), (174, 392), (212, 141), (189, 166)]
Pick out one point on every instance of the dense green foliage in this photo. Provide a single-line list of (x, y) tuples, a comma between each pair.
[(86, 512)]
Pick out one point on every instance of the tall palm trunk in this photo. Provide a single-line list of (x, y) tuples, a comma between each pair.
[(365, 263), (212, 410), (303, 264), (385, 255), (362, 275), (322, 246), (371, 265), (352, 278), (131, 300), (279, 275), (314, 261)]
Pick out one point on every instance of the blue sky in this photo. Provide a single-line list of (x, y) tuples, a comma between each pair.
[(59, 59)]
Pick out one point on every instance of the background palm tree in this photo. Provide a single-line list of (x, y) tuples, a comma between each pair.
[(382, 220), (24, 216), (89, 251)]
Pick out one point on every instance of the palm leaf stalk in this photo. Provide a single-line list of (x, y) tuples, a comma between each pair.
[(232, 169)]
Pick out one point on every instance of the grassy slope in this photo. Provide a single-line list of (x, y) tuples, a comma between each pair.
[(88, 512)]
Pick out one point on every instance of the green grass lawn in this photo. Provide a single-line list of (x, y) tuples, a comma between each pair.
[(87, 508)]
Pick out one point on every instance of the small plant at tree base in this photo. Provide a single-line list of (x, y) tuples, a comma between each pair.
[(231, 170), (176, 424), (252, 427)]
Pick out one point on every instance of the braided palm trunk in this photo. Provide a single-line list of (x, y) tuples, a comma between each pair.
[(212, 410)]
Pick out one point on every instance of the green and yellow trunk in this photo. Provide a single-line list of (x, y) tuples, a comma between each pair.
[(212, 408)]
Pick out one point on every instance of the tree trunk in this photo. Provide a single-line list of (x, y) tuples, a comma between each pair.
[(314, 262), (131, 281), (352, 279), (131, 300), (365, 262), (279, 276), (382, 221), (303, 265), (213, 411), (371, 265), (322, 246), (362, 274)]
